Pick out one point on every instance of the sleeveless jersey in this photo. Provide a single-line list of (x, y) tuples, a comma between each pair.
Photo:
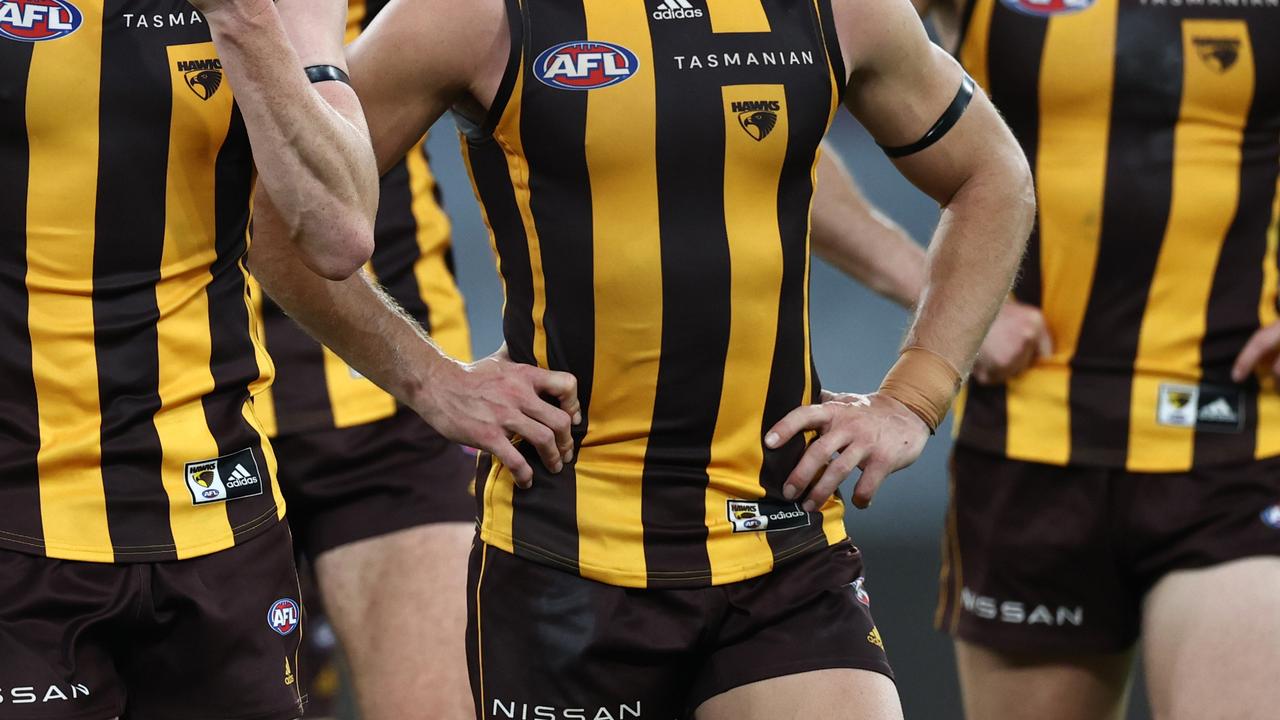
[(1153, 128), (413, 259), (129, 360), (646, 172)]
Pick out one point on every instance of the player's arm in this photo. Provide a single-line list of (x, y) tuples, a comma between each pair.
[(310, 143), (859, 240), (868, 246), (481, 404), (901, 89)]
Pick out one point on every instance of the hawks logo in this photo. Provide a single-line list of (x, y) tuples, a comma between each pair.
[(38, 20), (1042, 8), (204, 77), (284, 616), (1218, 53), (585, 65), (758, 118)]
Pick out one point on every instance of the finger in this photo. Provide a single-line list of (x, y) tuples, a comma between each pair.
[(557, 420), (1044, 342), (873, 476), (563, 387), (815, 458), (541, 438), (981, 374), (805, 417), (1251, 355), (510, 457), (836, 472)]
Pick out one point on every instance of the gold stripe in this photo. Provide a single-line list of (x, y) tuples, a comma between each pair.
[(1076, 80), (957, 410), (736, 16), (61, 210), (944, 576), (353, 399), (752, 174), (1206, 191), (197, 130), (977, 39), (1269, 399), (264, 405), (622, 161), (357, 10), (436, 284)]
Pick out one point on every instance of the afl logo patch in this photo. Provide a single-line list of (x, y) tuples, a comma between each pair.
[(1271, 516), (38, 20), (584, 65), (284, 615), (1046, 8)]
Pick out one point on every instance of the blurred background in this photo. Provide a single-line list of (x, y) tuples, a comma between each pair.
[(855, 337)]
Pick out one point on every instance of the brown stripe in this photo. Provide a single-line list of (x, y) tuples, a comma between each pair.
[(1136, 210), (133, 167), (19, 423)]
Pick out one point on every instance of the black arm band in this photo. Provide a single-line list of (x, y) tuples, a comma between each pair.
[(948, 120), (326, 73)]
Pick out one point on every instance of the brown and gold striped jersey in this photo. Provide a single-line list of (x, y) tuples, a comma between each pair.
[(646, 173), (129, 364), (314, 389), (1153, 128)]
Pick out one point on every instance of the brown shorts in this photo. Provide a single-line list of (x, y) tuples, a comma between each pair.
[(356, 483), (211, 638), (542, 642), (1042, 558)]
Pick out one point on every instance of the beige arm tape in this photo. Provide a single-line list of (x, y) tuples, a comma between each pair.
[(925, 382)]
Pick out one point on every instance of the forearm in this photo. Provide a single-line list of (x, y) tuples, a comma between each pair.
[(313, 154), (859, 240), (973, 260), (353, 317)]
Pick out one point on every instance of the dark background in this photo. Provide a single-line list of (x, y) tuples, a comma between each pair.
[(855, 337)]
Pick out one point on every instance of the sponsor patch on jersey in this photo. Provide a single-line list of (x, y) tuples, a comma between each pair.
[(757, 118), (676, 10), (1203, 407), (38, 20), (203, 77), (230, 477), (1045, 8), (1271, 516), (766, 516), (585, 65), (284, 616)]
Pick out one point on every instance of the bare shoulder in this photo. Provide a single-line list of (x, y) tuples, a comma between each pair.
[(460, 47), (874, 31)]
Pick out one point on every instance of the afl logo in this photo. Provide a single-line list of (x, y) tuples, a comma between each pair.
[(585, 65), (284, 615), (38, 20), (1045, 8)]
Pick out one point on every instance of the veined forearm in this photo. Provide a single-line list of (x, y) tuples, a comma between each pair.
[(314, 158), (972, 263)]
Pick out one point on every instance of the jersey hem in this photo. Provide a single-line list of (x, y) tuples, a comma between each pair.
[(651, 579), (139, 553)]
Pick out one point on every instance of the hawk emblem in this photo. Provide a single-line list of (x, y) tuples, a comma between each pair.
[(204, 83), (758, 124), (1220, 54)]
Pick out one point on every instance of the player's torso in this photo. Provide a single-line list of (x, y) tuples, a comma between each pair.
[(130, 361), (648, 182), (1153, 128), (413, 259)]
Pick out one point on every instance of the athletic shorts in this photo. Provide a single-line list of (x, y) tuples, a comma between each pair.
[(210, 638), (542, 642), (1042, 558), (350, 484)]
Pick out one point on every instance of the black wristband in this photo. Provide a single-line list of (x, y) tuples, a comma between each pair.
[(327, 73), (948, 120)]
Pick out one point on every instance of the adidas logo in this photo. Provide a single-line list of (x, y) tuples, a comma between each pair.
[(676, 10), (1219, 411), (241, 477)]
